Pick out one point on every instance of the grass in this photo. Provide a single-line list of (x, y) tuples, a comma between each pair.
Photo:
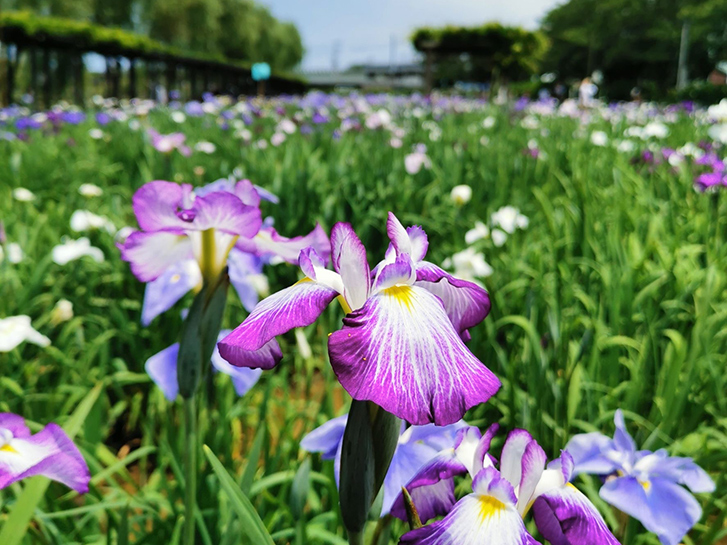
[(614, 296)]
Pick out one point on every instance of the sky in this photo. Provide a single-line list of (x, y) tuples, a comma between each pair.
[(346, 32)]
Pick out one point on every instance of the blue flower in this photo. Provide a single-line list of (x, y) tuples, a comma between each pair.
[(641, 483)]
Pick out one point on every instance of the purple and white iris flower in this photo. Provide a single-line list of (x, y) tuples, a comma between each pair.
[(417, 445), (643, 484), (189, 235), (166, 143), (162, 369), (500, 498), (401, 345), (49, 452)]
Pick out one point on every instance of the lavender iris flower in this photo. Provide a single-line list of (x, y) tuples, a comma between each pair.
[(191, 234), (162, 368), (643, 484), (501, 496), (167, 143), (417, 445), (402, 342), (50, 453)]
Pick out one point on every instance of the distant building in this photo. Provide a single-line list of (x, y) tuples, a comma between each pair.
[(718, 76), (400, 76)]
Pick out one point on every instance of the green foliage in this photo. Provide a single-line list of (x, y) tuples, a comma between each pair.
[(240, 30), (701, 92), (23, 27), (633, 42), (482, 53), (615, 296)]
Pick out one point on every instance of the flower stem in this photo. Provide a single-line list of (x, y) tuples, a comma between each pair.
[(355, 538), (190, 468)]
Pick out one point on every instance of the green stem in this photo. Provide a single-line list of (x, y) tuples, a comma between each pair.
[(382, 531), (190, 468), (356, 538)]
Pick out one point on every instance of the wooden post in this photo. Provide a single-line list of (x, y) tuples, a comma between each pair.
[(132, 78), (78, 94), (10, 71), (47, 79)]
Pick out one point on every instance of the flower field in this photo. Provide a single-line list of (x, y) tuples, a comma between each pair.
[(598, 235)]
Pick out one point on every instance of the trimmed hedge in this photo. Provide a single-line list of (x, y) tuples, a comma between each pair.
[(488, 38), (25, 28)]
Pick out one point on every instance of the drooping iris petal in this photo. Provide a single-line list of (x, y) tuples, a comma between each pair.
[(268, 243), (486, 517), (243, 379), (410, 456), (161, 294), (15, 424), (427, 484), (412, 240), (662, 506), (225, 212), (349, 260), (564, 516), (296, 306), (245, 272), (588, 451), (156, 203), (326, 438), (150, 254), (162, 369), (401, 352), (466, 303), (49, 453)]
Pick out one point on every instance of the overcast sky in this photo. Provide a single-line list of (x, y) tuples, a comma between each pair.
[(365, 31)]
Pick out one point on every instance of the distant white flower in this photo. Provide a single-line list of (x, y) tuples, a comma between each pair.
[(530, 122), (479, 232), (469, 264), (83, 220), (134, 124), (718, 133), (691, 150), (461, 194), (90, 190), (15, 253), (243, 134), (23, 195), (532, 143), (123, 233), (287, 126), (277, 139), (414, 162), (396, 142), (178, 117), (18, 329), (488, 122), (498, 237), (675, 159), (205, 147), (96, 134), (509, 218), (656, 130), (380, 118), (262, 144), (62, 312), (626, 146), (718, 112), (484, 141), (599, 138), (70, 250)]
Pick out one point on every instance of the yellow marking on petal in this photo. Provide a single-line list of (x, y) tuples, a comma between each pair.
[(403, 294), (489, 506), (573, 487), (344, 305), (646, 485), (175, 278), (304, 279), (8, 448)]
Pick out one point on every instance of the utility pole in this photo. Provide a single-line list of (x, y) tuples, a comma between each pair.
[(683, 68)]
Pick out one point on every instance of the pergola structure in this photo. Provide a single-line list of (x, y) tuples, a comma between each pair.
[(53, 51)]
